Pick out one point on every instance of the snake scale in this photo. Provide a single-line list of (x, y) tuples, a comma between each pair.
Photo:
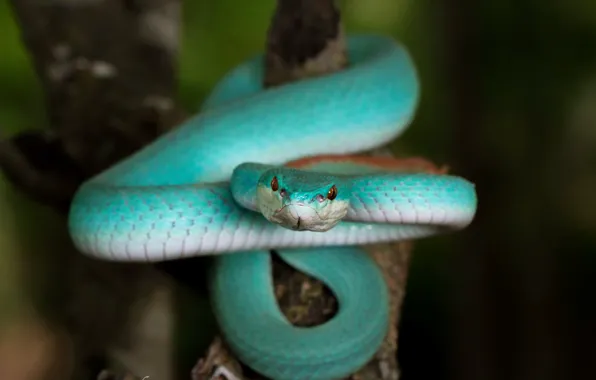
[(217, 185)]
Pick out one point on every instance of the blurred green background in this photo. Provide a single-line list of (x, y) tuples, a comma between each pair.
[(508, 101)]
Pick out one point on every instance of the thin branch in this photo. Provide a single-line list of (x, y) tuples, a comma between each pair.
[(306, 39), (46, 187)]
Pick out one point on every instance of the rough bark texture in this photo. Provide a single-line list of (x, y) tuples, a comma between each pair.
[(108, 89), (306, 39), (108, 85)]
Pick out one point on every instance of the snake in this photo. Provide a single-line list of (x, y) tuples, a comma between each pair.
[(221, 184)]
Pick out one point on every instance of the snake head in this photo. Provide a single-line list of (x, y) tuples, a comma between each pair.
[(301, 200)]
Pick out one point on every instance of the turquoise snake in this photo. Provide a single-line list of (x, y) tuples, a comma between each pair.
[(216, 185)]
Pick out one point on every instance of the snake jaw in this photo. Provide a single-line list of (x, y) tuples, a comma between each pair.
[(301, 217)]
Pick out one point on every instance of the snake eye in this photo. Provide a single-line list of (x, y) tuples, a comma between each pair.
[(332, 193), (274, 184)]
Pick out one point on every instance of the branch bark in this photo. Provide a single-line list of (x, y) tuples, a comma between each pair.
[(306, 39), (108, 89)]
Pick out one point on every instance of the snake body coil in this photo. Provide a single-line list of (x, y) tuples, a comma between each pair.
[(172, 200)]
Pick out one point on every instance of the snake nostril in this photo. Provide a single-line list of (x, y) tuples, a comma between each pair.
[(283, 193), (320, 198)]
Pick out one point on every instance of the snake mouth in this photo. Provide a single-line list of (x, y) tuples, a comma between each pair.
[(297, 217), (284, 208)]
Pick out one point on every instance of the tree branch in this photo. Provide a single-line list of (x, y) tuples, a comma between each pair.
[(100, 105), (107, 74), (21, 169), (306, 39)]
